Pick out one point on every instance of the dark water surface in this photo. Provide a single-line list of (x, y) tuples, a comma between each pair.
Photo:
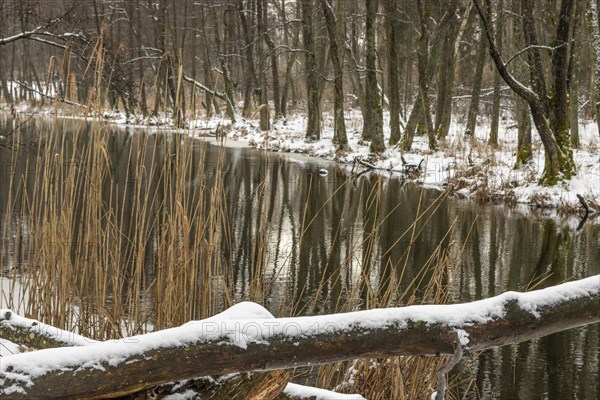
[(320, 236)]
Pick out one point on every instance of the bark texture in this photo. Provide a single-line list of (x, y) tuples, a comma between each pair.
[(373, 117), (550, 115), (313, 129), (339, 136), (512, 318)]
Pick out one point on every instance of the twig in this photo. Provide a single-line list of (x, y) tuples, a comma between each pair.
[(29, 34), (444, 369), (200, 86), (366, 164), (585, 206), (533, 47)]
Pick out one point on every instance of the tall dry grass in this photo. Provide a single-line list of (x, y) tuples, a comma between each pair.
[(106, 255), (113, 246), (396, 377)]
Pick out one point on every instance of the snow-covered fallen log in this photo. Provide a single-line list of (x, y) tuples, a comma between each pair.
[(34, 334), (247, 338)]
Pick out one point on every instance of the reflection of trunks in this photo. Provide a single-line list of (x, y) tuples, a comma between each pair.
[(178, 235)]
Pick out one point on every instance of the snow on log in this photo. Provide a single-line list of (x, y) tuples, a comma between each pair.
[(247, 338), (37, 335), (294, 391)]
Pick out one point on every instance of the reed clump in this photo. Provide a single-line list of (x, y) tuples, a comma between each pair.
[(115, 245), (117, 234), (386, 282)]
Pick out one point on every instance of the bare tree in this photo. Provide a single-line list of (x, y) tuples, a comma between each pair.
[(313, 130), (429, 53), (393, 70), (595, 23), (549, 117), (496, 94), (339, 135), (373, 116)]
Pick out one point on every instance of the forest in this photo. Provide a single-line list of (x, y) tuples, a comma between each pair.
[(425, 61), (437, 235)]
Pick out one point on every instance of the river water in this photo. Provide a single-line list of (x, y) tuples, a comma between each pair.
[(326, 242)]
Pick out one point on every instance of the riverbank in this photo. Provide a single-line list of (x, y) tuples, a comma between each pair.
[(468, 167)]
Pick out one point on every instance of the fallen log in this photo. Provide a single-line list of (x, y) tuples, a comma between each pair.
[(256, 342), (37, 335)]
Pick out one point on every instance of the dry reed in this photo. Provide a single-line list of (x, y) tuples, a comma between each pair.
[(118, 246)]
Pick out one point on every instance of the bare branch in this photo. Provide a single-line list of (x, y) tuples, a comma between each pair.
[(528, 48), (28, 34)]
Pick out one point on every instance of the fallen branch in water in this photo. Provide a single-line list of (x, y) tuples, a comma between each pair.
[(247, 338), (584, 204)]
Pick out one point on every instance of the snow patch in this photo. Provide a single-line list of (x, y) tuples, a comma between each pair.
[(294, 390)]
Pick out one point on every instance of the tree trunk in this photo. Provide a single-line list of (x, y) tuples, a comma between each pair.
[(559, 157), (536, 69), (3, 83), (423, 66), (174, 90), (496, 95), (291, 60), (222, 345), (521, 111), (373, 119), (357, 85), (313, 129), (595, 23), (436, 43), (524, 147), (476, 88), (540, 108), (560, 99), (232, 109), (393, 71), (206, 68), (274, 60), (250, 77), (339, 135), (262, 79), (573, 76), (445, 84), (244, 386)]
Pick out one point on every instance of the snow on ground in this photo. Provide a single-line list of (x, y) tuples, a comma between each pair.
[(8, 348), (296, 391), (187, 395), (12, 294), (247, 323), (468, 166), (471, 166)]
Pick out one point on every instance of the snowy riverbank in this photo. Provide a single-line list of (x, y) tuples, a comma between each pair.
[(467, 166)]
